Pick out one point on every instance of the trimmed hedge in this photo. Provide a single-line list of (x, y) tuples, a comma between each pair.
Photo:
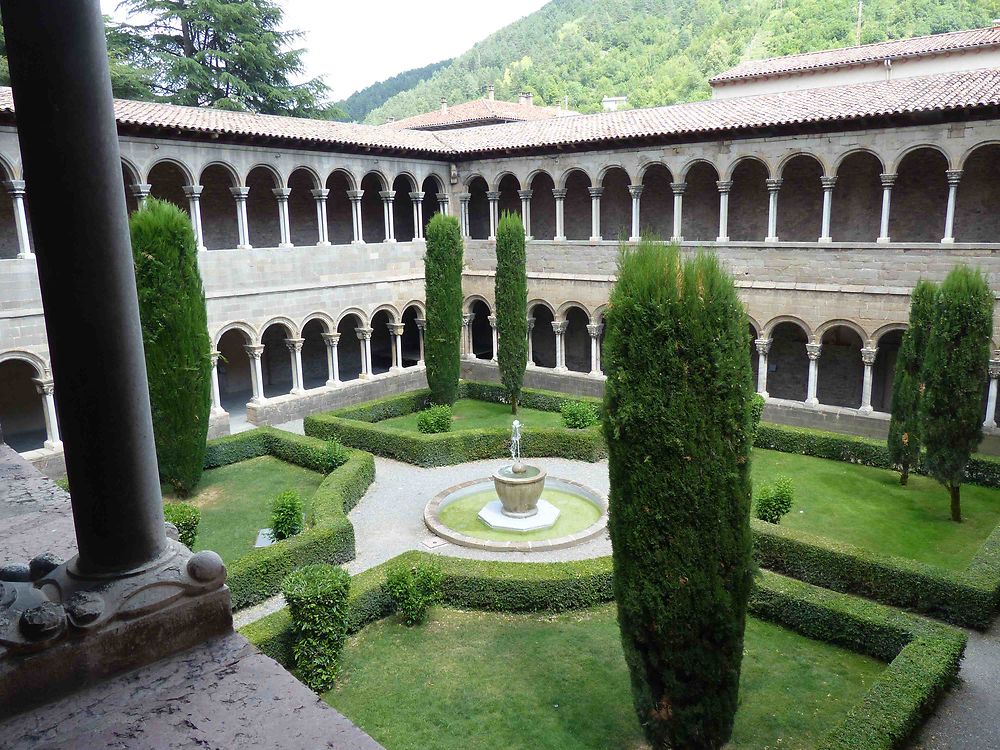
[(186, 518), (317, 602), (923, 656)]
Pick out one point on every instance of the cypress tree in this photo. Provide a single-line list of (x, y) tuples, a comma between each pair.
[(904, 427), (443, 299), (175, 339), (678, 412), (511, 292), (958, 353)]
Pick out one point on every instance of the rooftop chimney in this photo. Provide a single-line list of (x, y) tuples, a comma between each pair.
[(444, 104), (526, 97), (489, 92)]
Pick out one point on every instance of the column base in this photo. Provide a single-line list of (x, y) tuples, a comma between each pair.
[(771, 239), (989, 424), (530, 365), (560, 369), (720, 238), (883, 240), (825, 239), (528, 238), (596, 374), (678, 239), (25, 256), (420, 239), (596, 239), (866, 410), (257, 400), (947, 240), (390, 241), (764, 395), (53, 445), (202, 249), (296, 391), (395, 368), (285, 244), (491, 238), (244, 247), (634, 239), (812, 402), (558, 239), (358, 242), (323, 244), (333, 384)]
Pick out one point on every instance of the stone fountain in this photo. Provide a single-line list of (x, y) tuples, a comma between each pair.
[(519, 489)]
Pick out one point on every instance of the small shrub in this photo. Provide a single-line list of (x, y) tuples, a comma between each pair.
[(186, 518), (774, 500), (317, 601), (756, 412), (578, 415), (435, 419), (286, 515), (414, 589)]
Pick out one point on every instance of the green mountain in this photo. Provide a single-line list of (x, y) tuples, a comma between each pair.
[(361, 102), (663, 51)]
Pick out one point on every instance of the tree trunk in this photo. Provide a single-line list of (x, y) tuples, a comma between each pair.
[(904, 474), (956, 504), (513, 406)]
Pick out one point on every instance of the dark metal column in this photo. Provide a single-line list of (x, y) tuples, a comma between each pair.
[(72, 170)]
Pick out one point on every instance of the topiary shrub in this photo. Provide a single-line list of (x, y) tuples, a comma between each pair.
[(414, 589), (578, 415), (756, 412), (434, 419), (774, 500), (317, 601), (286, 515), (677, 420), (443, 299), (186, 518), (174, 338), (511, 291)]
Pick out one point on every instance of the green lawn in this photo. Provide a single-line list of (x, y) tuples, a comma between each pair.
[(468, 414), (235, 501), (869, 508), (485, 680)]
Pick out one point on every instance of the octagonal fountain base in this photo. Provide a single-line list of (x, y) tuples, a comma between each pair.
[(544, 517)]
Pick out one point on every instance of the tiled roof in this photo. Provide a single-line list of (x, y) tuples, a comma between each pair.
[(835, 58), (477, 110)]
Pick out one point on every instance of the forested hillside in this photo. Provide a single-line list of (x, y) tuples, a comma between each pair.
[(663, 51), (360, 103)]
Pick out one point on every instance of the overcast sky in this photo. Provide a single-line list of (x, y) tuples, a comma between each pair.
[(355, 43)]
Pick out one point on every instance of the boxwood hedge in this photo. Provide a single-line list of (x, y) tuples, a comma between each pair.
[(923, 656)]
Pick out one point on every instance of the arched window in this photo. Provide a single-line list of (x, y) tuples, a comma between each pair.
[(919, 197), (218, 208), (748, 203), (841, 372), (482, 332), (800, 201), (22, 421), (576, 340), (479, 209), (616, 207), (543, 207), (787, 363), (276, 361), (856, 212), (349, 347), (976, 216), (235, 379), (543, 338), (577, 206)]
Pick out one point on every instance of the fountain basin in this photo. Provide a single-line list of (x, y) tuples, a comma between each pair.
[(519, 490)]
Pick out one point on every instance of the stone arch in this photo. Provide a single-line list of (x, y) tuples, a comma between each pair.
[(402, 207), (840, 370), (357, 312), (234, 366), (779, 170), (218, 208), (976, 215), (656, 205), (777, 320), (302, 206), (748, 200), (389, 310), (167, 180), (372, 216), (565, 307), (22, 416), (315, 372), (349, 347), (262, 206), (577, 204), (325, 321), (543, 204), (919, 196), (251, 334), (479, 208), (9, 246), (856, 213), (858, 330), (280, 320), (339, 212), (800, 200), (787, 362), (381, 344), (887, 340), (616, 203), (10, 173), (187, 174), (39, 365), (432, 188), (510, 202), (700, 214), (276, 360), (576, 338), (130, 177), (543, 338), (412, 346), (908, 150)]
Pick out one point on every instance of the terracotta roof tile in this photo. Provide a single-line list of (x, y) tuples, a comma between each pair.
[(475, 111)]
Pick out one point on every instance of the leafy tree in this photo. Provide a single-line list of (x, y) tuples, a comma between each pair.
[(229, 54), (677, 417), (175, 339), (907, 384), (958, 353), (511, 291), (443, 297)]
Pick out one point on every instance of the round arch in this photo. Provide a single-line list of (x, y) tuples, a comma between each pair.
[(39, 365), (280, 320), (22, 416), (542, 337), (389, 310), (186, 172), (248, 330), (856, 213), (270, 169), (778, 320), (919, 195), (976, 217), (748, 199), (841, 158), (787, 362), (800, 201), (325, 320), (357, 312), (543, 204), (823, 328), (840, 372)]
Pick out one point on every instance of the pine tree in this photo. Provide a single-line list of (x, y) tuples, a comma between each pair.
[(443, 298), (511, 292), (678, 403), (954, 371), (175, 339), (904, 426)]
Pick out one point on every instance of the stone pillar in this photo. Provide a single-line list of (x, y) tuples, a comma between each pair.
[(322, 230), (991, 401), (560, 195), (284, 224), (396, 342), (467, 336), (868, 358), (828, 184), (359, 233), (493, 331), (443, 204), (595, 330), (493, 196), (46, 389), (16, 190), (242, 225), (678, 188), (954, 175), (763, 347), (595, 213), (365, 337), (216, 395), (813, 351), (418, 215), (525, 196), (295, 353), (332, 359), (559, 326), (140, 192), (773, 186), (387, 214), (636, 192), (193, 193), (531, 327), (724, 187), (888, 180), (463, 217), (255, 351), (421, 329)]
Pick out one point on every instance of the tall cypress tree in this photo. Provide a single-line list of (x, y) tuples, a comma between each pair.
[(511, 292), (907, 384), (955, 367), (678, 424), (175, 339), (443, 299)]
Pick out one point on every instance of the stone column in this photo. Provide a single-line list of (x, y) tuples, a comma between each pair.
[(396, 342), (595, 213), (595, 330), (773, 186), (46, 389), (763, 347), (284, 224), (636, 192), (16, 190), (242, 226), (888, 180), (421, 329), (216, 395), (724, 187), (828, 184), (295, 352), (467, 352), (140, 192), (387, 214), (463, 216), (322, 230), (531, 327), (868, 358), (559, 326), (443, 204), (493, 196), (493, 331), (991, 401), (418, 215), (954, 175), (365, 337), (255, 351), (525, 196), (813, 351), (358, 225), (332, 359), (560, 195), (193, 193), (678, 188)]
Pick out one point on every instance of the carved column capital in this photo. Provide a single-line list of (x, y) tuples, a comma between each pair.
[(953, 175), (215, 358), (994, 368), (254, 350), (320, 194), (813, 351), (868, 355), (828, 183), (763, 346), (595, 192), (635, 190), (678, 187), (396, 329), (193, 191), (493, 195), (44, 386), (363, 334), (888, 179), (15, 187), (774, 184), (240, 193), (281, 193), (558, 193), (595, 330), (724, 185), (559, 326), (493, 321), (355, 195), (387, 195), (531, 324), (467, 319), (417, 196), (331, 339), (525, 194), (294, 345)]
